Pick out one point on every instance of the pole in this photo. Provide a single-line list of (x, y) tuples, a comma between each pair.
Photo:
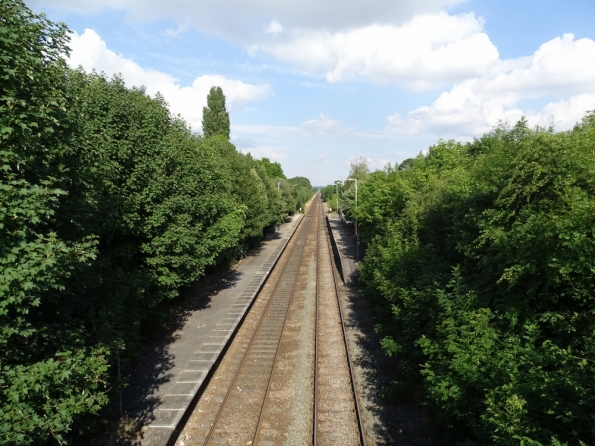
[(119, 383), (356, 234), (337, 185)]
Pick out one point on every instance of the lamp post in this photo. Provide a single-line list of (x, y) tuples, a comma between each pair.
[(337, 185), (356, 233), (278, 185)]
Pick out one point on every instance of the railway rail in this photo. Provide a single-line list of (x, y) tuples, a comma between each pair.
[(241, 404), (337, 417)]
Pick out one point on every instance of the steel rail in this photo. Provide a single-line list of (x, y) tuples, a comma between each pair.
[(315, 409), (303, 230), (346, 342), (276, 353)]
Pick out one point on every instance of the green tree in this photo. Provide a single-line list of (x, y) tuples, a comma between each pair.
[(302, 191), (480, 257), (276, 206), (49, 374), (273, 170), (406, 164), (359, 171), (109, 205), (215, 118), (359, 168)]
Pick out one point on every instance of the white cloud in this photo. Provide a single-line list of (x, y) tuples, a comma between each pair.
[(564, 114), (270, 130), (272, 153), (563, 68), (429, 50), (323, 127), (241, 21), (274, 27), (254, 144), (410, 43), (457, 112), (91, 52), (414, 43)]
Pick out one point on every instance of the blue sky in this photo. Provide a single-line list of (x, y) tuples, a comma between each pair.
[(315, 85)]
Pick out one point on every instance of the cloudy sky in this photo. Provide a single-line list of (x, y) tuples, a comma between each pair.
[(314, 84)]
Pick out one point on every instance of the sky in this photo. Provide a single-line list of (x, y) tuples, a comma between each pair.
[(318, 84)]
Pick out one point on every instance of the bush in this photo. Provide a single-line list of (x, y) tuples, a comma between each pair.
[(481, 260), (109, 205)]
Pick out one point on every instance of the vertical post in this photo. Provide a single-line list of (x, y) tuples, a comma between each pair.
[(119, 382), (337, 185), (356, 233)]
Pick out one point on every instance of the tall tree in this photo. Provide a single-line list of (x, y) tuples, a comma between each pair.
[(359, 168), (215, 118), (273, 170), (48, 375)]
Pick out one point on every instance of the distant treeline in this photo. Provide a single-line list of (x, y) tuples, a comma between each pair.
[(109, 206), (481, 265)]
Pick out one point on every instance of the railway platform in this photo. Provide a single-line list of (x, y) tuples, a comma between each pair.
[(164, 385), (287, 377), (346, 246)]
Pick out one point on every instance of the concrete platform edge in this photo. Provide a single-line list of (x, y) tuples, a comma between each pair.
[(342, 259), (170, 434)]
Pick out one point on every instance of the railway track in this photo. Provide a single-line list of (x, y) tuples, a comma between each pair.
[(286, 378), (337, 418)]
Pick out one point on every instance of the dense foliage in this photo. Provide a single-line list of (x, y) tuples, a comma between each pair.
[(215, 118), (480, 261), (301, 191), (109, 206), (341, 196), (273, 170)]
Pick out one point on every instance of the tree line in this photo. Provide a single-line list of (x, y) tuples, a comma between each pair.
[(109, 206), (480, 266)]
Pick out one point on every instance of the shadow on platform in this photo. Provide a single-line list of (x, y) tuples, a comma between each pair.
[(395, 423), (151, 370)]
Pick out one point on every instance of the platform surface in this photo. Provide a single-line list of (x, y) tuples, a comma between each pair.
[(166, 383), (347, 247)]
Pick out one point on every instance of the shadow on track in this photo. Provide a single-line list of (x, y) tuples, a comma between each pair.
[(391, 422)]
